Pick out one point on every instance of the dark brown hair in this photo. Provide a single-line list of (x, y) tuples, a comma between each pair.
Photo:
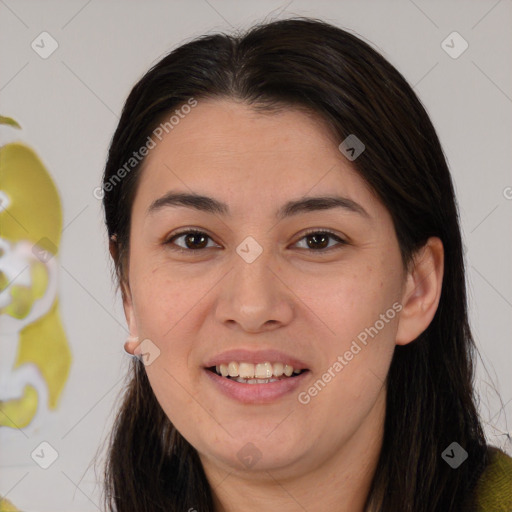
[(307, 63)]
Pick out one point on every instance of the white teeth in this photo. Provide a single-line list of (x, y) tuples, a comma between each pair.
[(288, 370), (233, 369), (246, 370), (263, 372), (278, 369)]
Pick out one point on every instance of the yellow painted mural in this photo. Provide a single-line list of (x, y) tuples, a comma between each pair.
[(35, 357)]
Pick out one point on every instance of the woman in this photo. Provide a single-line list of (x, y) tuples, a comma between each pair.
[(285, 235)]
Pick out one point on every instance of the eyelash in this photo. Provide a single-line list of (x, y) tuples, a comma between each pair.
[(332, 235)]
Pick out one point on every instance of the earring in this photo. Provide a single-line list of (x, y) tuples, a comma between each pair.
[(128, 340)]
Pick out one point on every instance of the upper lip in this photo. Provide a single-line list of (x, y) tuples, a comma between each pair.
[(255, 356)]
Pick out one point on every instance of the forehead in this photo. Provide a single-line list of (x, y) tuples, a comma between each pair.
[(248, 156)]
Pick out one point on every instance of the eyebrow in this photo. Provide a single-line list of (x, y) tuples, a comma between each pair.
[(291, 208)]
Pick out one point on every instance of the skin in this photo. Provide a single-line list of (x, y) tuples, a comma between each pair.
[(316, 456)]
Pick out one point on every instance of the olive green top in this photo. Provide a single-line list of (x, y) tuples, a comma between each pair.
[(494, 488)]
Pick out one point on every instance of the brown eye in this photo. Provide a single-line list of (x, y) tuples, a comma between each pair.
[(318, 241), (193, 240)]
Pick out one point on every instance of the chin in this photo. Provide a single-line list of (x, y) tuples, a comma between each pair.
[(255, 448)]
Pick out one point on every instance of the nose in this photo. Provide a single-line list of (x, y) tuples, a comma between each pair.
[(254, 297)]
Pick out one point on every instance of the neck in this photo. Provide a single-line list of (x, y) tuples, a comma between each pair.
[(341, 482)]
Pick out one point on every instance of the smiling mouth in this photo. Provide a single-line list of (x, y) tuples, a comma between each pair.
[(260, 373)]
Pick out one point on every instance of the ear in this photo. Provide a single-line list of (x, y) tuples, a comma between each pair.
[(422, 291), (133, 340)]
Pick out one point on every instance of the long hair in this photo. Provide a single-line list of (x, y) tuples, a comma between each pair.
[(309, 64)]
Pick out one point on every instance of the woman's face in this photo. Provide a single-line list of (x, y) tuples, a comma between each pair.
[(255, 290)]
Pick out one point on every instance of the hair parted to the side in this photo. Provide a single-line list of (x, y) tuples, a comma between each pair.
[(307, 63)]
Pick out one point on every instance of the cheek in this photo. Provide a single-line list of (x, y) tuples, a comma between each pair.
[(177, 398), (350, 300), (360, 309), (163, 315), (164, 302), (346, 389)]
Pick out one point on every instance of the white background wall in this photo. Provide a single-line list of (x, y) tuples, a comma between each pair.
[(69, 106)]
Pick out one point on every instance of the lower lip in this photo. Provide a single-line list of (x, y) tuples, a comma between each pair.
[(256, 393)]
